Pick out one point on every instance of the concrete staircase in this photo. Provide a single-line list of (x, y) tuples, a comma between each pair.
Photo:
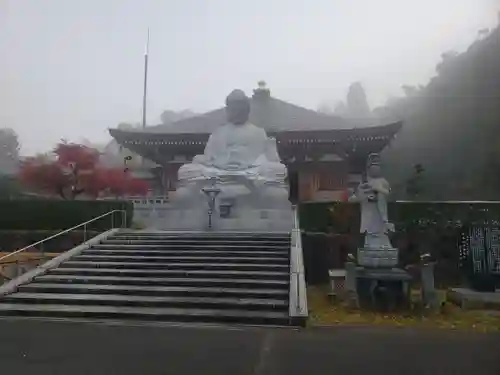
[(161, 276)]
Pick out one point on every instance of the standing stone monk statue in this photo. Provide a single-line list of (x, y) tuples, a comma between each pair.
[(372, 194)]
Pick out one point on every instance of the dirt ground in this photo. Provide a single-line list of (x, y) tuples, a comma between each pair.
[(322, 311)]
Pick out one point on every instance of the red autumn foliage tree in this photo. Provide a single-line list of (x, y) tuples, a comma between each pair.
[(76, 171)]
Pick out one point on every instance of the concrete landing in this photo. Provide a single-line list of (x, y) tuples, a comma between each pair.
[(469, 299), (61, 348)]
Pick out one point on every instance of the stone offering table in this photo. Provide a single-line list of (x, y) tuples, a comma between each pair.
[(383, 289)]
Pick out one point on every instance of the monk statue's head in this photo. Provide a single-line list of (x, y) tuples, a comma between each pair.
[(373, 167), (237, 107)]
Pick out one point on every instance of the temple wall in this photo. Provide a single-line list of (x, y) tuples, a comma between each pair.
[(323, 181)]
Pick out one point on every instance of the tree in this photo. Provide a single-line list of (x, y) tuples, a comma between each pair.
[(447, 61), (169, 117), (325, 109), (9, 187), (414, 185), (357, 104), (340, 109), (451, 126), (75, 171), (9, 150)]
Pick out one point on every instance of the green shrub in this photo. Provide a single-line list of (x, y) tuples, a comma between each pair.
[(344, 217), (421, 227), (48, 214)]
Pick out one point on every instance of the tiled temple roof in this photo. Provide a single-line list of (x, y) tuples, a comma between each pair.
[(274, 115), (297, 131)]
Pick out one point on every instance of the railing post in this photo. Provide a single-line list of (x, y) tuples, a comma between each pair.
[(42, 250), (112, 220), (85, 232)]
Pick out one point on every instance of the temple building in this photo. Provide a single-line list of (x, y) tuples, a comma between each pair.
[(325, 155)]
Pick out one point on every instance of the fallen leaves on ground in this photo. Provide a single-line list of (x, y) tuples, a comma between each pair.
[(322, 311)]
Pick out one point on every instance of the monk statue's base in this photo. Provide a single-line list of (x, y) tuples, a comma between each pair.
[(378, 252), (378, 257)]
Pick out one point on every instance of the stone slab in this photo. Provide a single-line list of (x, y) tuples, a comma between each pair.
[(193, 279), (144, 313), (146, 290), (145, 301), (470, 299)]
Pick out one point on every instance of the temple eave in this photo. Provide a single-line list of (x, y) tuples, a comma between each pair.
[(385, 132)]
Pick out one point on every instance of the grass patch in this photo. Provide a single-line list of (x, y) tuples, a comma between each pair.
[(324, 312), (26, 256)]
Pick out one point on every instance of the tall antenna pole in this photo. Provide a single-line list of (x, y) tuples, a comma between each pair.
[(145, 82)]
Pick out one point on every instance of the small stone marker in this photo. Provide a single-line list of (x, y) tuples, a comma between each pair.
[(350, 284), (429, 294)]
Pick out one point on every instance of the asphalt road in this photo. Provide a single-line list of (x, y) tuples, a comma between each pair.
[(69, 348)]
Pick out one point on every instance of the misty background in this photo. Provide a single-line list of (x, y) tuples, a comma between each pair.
[(71, 69)]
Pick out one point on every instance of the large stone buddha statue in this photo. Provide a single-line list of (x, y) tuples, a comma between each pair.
[(240, 158), (242, 164)]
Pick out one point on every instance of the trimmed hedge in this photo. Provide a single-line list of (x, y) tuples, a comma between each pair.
[(11, 240), (344, 217), (331, 231), (48, 214)]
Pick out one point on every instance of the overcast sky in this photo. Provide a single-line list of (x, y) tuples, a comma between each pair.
[(73, 68)]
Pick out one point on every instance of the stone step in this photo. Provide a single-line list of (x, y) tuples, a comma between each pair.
[(177, 247), (179, 274), (145, 301), (145, 290), (182, 259), (231, 274), (191, 253), (207, 239), (171, 279), (226, 242), (204, 235), (146, 313), (216, 267)]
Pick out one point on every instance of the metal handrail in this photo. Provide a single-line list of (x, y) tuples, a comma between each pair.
[(297, 265), (296, 229), (124, 220)]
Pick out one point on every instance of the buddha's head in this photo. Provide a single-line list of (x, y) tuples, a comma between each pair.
[(237, 107)]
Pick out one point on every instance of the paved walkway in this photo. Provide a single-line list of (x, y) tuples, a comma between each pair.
[(30, 347)]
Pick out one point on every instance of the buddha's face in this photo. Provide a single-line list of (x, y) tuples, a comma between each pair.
[(237, 111)]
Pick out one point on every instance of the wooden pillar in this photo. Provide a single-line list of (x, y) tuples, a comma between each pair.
[(171, 176), (164, 180), (306, 185)]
